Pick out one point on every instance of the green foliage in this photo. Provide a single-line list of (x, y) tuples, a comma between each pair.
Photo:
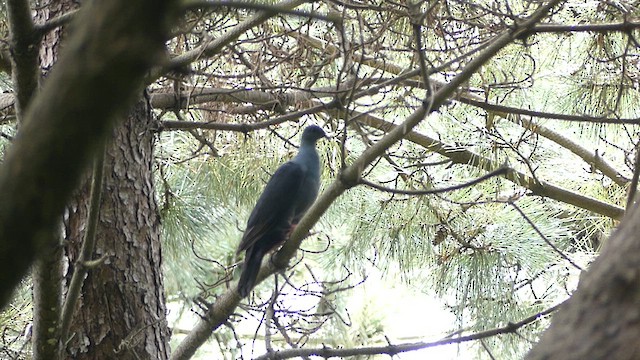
[(469, 247)]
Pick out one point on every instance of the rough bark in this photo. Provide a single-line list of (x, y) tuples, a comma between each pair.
[(99, 75), (121, 312), (602, 318)]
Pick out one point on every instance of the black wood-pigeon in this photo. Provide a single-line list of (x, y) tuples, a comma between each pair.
[(285, 199)]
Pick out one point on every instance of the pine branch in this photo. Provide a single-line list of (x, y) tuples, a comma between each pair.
[(590, 157), (200, 95), (456, 154), (392, 350), (470, 98), (462, 156), (222, 308)]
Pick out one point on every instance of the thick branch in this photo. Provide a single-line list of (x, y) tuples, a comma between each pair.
[(69, 118), (222, 308), (166, 101), (275, 9)]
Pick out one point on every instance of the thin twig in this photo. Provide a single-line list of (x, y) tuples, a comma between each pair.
[(267, 8), (391, 350), (555, 248), (500, 171), (218, 312), (83, 263)]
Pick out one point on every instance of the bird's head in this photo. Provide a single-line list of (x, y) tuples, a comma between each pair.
[(312, 133)]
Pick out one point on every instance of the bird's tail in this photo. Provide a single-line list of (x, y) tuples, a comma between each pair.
[(250, 268)]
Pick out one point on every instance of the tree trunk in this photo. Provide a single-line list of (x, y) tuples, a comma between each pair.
[(121, 312), (602, 318)]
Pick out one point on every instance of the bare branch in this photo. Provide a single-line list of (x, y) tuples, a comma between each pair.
[(543, 237), (218, 312), (88, 243), (546, 115), (500, 171), (56, 22), (213, 47), (266, 8), (463, 156), (392, 350), (624, 26)]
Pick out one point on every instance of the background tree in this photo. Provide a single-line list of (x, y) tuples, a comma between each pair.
[(396, 204)]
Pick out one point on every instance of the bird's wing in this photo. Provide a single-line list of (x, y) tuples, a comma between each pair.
[(276, 204)]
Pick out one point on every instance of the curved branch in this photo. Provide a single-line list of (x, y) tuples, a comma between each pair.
[(392, 350), (222, 308), (81, 268), (500, 171), (42, 29), (462, 156)]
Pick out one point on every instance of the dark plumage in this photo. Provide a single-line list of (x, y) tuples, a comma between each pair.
[(286, 197)]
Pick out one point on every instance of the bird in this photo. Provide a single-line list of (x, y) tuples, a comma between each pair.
[(286, 197)]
